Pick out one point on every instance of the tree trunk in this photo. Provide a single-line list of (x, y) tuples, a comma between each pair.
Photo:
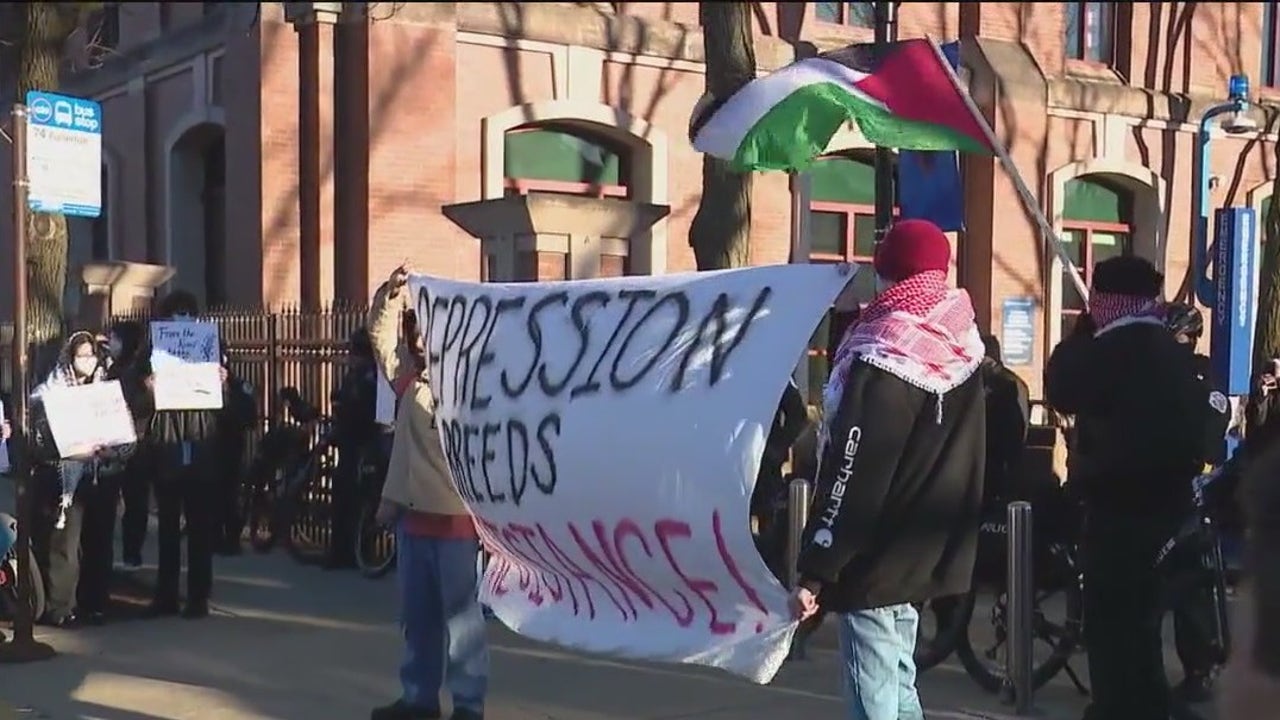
[(48, 26), (1266, 344), (722, 226)]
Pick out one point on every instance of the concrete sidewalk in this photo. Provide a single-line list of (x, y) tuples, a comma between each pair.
[(288, 642)]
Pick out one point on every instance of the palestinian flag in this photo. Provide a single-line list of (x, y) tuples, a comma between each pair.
[(904, 96)]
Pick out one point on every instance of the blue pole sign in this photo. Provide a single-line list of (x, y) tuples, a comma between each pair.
[(1018, 331), (1235, 279), (64, 154)]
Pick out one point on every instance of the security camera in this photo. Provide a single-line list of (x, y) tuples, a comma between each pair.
[(1238, 122)]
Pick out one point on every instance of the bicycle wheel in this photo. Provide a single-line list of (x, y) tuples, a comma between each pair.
[(305, 517), (375, 543), (1054, 640), (259, 517), (943, 621)]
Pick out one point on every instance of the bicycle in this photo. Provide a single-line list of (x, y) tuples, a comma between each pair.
[(281, 473), (375, 542), (9, 592), (1197, 535)]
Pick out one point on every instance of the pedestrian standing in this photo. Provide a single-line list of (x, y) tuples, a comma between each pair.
[(436, 542), (1139, 437), (235, 424), (127, 345), (186, 482), (899, 486)]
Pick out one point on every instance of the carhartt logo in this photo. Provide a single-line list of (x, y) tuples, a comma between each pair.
[(823, 538)]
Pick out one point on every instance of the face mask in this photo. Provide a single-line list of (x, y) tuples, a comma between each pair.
[(84, 366), (882, 284), (115, 347)]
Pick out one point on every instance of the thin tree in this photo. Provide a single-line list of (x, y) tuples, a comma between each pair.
[(722, 226), (36, 35), (1266, 343)]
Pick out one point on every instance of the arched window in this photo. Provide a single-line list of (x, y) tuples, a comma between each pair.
[(1097, 224), (842, 228), (100, 232), (555, 158)]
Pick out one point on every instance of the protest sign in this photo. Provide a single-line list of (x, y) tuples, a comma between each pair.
[(606, 434), (85, 417), (186, 357)]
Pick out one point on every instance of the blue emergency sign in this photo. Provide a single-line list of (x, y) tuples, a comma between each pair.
[(1235, 302)]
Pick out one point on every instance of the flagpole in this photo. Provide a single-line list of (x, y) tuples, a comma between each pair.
[(1019, 184)]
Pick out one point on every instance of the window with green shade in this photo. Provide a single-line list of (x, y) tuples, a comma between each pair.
[(843, 180), (1097, 218), (563, 160)]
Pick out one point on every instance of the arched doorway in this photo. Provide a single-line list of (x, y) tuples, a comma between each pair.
[(1097, 224), (197, 213)]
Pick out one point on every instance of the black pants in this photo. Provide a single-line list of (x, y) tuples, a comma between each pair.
[(344, 507), (1122, 616), (185, 492), (58, 549), (227, 523), (135, 489), (97, 543), (1194, 621)]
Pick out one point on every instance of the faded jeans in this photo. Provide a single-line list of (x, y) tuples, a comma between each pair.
[(878, 670), (444, 630)]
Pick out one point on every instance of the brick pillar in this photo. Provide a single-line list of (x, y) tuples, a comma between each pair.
[(351, 155), (315, 26)]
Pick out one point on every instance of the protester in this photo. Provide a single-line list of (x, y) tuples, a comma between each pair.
[(1008, 418), (186, 489), (127, 346), (770, 492), (1139, 437), (67, 488), (436, 542), (235, 425), (899, 488), (354, 406), (1194, 618)]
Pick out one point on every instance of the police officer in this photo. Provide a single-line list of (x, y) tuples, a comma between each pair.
[(1193, 619)]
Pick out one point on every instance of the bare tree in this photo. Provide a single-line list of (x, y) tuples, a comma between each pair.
[(721, 228), (1267, 338), (36, 34)]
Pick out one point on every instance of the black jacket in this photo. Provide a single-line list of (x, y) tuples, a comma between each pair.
[(895, 517), (1140, 418), (788, 423), (1008, 417)]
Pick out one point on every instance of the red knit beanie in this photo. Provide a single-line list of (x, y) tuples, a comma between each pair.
[(911, 247)]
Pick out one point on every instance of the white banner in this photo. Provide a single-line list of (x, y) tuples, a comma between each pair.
[(186, 357), (606, 434), (85, 417)]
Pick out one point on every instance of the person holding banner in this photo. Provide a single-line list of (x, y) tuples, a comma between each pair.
[(70, 488), (126, 344), (899, 487), (436, 541), (186, 447)]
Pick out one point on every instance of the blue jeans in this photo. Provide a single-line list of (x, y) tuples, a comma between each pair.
[(878, 670), (444, 630)]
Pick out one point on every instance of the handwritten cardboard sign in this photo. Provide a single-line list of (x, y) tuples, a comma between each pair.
[(606, 435), (85, 417), (185, 357)]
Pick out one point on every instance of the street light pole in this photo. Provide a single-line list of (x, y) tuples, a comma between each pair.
[(886, 28), (23, 647), (1237, 103)]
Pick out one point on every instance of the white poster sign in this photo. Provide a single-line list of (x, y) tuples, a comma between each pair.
[(384, 408), (186, 357), (606, 434), (85, 417)]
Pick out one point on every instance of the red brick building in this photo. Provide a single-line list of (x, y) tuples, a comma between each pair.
[(296, 152)]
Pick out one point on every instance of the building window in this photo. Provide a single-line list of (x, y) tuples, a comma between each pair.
[(1097, 224), (1270, 45), (857, 14), (842, 228), (567, 161), (1091, 30)]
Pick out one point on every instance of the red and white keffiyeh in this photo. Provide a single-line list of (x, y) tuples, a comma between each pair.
[(1112, 310), (919, 330)]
